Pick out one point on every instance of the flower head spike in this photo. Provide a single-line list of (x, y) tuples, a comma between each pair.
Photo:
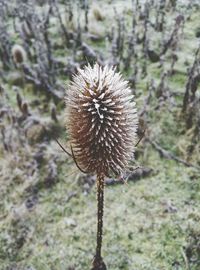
[(101, 120)]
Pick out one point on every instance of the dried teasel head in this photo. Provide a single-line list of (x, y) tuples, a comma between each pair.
[(19, 54), (101, 120)]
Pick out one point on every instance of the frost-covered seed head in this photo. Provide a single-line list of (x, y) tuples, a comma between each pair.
[(101, 120)]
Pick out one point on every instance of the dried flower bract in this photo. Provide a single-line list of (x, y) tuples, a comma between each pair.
[(101, 120)]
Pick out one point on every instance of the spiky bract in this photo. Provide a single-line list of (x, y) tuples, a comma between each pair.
[(101, 120)]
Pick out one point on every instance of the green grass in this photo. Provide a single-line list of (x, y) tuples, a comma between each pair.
[(146, 223)]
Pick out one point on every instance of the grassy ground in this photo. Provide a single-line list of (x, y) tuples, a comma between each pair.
[(150, 224)]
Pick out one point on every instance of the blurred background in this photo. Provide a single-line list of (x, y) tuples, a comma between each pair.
[(47, 206)]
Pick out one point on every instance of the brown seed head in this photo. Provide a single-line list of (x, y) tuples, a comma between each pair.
[(101, 120), (19, 54)]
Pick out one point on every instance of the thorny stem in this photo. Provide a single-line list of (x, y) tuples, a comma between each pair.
[(98, 262)]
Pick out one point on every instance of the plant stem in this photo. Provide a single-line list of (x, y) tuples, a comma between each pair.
[(100, 205), (98, 262)]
